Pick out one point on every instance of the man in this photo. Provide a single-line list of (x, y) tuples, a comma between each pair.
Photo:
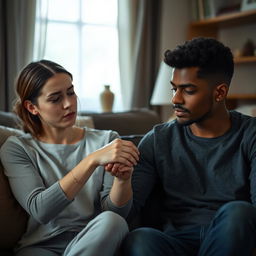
[(205, 162)]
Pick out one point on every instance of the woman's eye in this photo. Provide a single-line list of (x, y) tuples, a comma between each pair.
[(54, 100), (71, 93)]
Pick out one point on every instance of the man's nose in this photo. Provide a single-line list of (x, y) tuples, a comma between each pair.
[(177, 97)]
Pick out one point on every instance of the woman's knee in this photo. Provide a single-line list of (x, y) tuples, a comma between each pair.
[(111, 221)]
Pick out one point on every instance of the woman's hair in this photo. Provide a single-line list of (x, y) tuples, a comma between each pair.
[(28, 87), (215, 60)]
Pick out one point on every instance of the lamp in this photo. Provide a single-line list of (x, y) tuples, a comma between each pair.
[(162, 89)]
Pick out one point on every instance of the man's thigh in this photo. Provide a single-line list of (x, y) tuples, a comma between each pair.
[(149, 241)]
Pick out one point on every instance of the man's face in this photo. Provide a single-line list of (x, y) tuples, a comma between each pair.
[(192, 96)]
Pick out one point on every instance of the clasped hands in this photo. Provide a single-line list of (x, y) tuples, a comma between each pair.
[(118, 157)]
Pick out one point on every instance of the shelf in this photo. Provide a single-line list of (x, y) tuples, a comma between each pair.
[(241, 97), (245, 59), (209, 27), (231, 19), (233, 100)]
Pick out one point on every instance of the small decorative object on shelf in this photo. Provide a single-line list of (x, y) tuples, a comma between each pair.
[(248, 5), (107, 99), (248, 48)]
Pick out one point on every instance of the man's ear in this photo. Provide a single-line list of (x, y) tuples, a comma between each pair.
[(221, 92), (32, 108)]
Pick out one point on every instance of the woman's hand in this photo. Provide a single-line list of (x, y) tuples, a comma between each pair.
[(118, 151), (120, 171)]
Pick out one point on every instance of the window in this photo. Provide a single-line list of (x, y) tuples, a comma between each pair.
[(82, 36)]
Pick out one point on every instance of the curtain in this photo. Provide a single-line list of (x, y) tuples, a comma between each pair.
[(16, 44), (138, 28), (42, 7)]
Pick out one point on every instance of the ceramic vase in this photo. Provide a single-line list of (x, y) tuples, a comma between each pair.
[(107, 99)]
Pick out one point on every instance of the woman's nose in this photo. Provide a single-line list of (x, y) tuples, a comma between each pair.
[(67, 102)]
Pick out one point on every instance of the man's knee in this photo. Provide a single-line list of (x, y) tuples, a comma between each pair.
[(139, 240), (238, 211)]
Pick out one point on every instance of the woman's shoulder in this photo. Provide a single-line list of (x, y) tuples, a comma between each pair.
[(100, 135), (93, 131), (17, 144), (18, 139)]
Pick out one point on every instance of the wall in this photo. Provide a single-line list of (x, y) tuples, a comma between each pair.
[(244, 75), (176, 15)]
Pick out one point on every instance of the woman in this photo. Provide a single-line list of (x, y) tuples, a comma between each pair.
[(56, 170)]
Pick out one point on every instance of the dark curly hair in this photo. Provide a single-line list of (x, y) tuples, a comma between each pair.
[(215, 60)]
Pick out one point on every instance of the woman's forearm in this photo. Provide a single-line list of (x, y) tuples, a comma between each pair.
[(121, 192)]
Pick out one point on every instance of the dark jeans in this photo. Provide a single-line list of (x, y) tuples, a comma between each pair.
[(231, 232)]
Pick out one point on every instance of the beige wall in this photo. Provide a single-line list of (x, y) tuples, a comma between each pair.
[(176, 15)]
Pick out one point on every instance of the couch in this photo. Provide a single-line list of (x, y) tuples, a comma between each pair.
[(131, 125)]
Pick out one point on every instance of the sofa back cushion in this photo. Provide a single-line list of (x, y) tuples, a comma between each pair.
[(13, 218)]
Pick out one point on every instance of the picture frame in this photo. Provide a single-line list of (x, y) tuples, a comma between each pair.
[(248, 5)]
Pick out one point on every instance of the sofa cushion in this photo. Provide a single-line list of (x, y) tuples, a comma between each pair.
[(9, 119), (13, 217), (132, 122), (84, 121)]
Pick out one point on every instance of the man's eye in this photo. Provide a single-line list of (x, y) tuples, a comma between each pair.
[(190, 92)]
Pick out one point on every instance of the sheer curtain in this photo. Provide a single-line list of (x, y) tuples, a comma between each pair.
[(17, 19), (138, 24), (41, 22)]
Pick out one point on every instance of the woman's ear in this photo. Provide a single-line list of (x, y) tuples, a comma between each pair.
[(32, 108), (221, 92)]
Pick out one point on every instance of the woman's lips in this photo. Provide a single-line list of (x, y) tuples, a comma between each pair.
[(69, 115)]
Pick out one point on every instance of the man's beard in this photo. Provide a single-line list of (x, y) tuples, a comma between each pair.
[(197, 120)]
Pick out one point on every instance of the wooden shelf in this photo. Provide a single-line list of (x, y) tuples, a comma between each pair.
[(245, 59), (234, 100), (231, 19), (241, 97), (209, 27)]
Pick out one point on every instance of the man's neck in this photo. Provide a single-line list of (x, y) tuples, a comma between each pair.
[(213, 127)]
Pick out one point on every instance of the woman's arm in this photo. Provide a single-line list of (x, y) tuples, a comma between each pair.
[(44, 203), (118, 151)]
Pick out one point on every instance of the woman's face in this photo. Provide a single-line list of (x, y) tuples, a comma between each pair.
[(57, 103)]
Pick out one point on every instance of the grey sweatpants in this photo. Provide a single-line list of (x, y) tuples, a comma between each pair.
[(102, 236)]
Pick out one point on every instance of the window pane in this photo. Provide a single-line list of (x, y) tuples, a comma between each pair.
[(89, 50), (65, 10), (99, 11), (62, 46), (100, 63)]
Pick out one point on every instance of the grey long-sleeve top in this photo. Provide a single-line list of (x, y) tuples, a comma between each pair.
[(34, 169)]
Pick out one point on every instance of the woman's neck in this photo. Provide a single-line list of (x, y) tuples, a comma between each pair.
[(69, 135)]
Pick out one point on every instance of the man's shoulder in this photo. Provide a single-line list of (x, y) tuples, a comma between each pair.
[(166, 127), (244, 120), (162, 130)]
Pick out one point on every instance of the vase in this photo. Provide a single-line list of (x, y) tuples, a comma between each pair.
[(107, 99)]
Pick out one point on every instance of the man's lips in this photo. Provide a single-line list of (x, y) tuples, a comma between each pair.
[(179, 112)]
